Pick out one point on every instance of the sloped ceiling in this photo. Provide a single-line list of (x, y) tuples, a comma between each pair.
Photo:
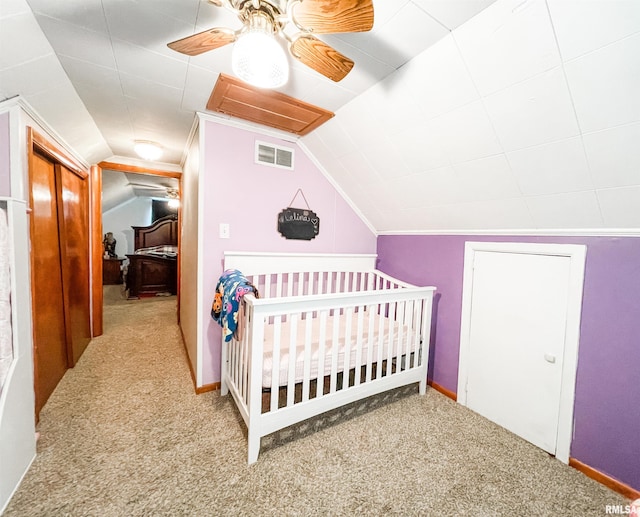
[(524, 117)]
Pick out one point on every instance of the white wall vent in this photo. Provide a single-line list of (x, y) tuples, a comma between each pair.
[(274, 155)]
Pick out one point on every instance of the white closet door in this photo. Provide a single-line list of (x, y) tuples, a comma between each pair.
[(516, 342)]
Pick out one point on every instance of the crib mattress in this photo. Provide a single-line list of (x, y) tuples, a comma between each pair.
[(378, 332)]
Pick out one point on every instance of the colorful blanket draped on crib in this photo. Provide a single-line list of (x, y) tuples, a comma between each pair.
[(231, 287)]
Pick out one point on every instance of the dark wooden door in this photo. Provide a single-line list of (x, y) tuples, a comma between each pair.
[(73, 194), (49, 334)]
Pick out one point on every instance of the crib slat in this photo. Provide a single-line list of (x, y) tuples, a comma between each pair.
[(266, 290), (306, 374), (301, 284), (381, 323), (275, 362), (390, 339), (335, 350), (370, 341), (400, 320), (293, 339), (417, 324), (278, 293), (321, 353), (347, 346), (289, 280), (358, 358)]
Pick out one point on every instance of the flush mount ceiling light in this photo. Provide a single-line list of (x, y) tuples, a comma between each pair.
[(257, 57), (147, 150)]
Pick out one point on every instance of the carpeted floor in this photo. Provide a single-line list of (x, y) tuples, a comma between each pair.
[(125, 435)]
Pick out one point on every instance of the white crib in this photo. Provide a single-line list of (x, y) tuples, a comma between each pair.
[(326, 330)]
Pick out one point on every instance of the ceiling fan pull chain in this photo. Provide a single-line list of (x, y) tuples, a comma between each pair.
[(299, 191)]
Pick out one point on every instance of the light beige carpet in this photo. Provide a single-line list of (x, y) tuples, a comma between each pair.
[(125, 435)]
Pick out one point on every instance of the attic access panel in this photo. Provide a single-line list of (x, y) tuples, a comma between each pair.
[(274, 109)]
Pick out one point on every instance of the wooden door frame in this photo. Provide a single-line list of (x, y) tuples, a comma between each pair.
[(577, 255), (96, 231)]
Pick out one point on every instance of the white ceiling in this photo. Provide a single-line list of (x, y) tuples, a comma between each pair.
[(527, 116)]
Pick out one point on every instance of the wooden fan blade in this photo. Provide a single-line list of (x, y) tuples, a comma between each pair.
[(328, 16), (203, 41), (321, 57)]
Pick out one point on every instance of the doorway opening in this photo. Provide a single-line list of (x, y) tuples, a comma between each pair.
[(122, 185)]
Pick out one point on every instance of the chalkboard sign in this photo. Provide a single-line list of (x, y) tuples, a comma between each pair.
[(298, 223)]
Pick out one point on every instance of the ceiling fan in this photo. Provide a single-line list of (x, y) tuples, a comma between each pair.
[(169, 192), (259, 59)]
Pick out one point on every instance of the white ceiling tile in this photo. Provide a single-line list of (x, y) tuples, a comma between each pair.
[(78, 43), (384, 10), (421, 147), (134, 22), (335, 138), (569, 210), (210, 16), (422, 219), (439, 79), (396, 108), (65, 97), (149, 95), (13, 30), (614, 156), (13, 7), (157, 68), (359, 168), (551, 168), (497, 214), (418, 31), (385, 159), (106, 81), (533, 112), (508, 42), (197, 89), (582, 26), (453, 14), (501, 214), (38, 75), (439, 186), (361, 124), (488, 178), (81, 13), (467, 133), (185, 10), (620, 207), (605, 84)]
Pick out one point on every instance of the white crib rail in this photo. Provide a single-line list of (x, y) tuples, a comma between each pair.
[(366, 341)]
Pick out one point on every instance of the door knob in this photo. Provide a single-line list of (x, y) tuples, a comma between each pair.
[(550, 358)]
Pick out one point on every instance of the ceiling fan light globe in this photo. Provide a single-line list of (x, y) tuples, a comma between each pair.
[(258, 59)]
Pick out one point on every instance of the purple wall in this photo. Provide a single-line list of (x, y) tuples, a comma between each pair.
[(607, 401), (5, 174), (249, 197)]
